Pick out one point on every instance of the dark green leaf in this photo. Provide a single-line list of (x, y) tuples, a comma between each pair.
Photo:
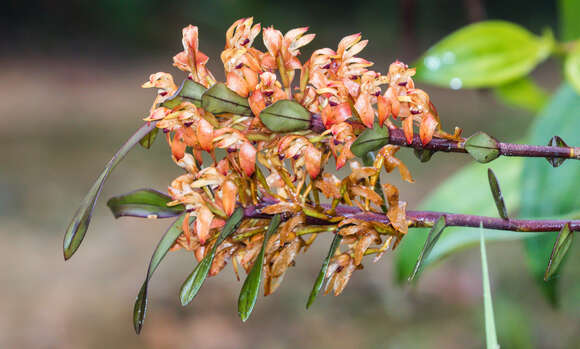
[(320, 278), (423, 155), (168, 239), (219, 99), (572, 68), (561, 247), (143, 203), (251, 287), (550, 192), (522, 93), (497, 196), (568, 11), (147, 141), (370, 139), (432, 238), (190, 91), (556, 142), (194, 281), (286, 116), (77, 228), (482, 147), (484, 54)]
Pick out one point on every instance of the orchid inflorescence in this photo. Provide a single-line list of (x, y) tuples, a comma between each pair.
[(266, 191)]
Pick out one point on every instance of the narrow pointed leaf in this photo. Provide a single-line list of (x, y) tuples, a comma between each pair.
[(319, 280), (194, 281), (556, 142), (369, 140), (189, 91), (168, 239), (251, 287), (432, 238), (147, 141), (490, 333), (286, 116), (143, 203), (497, 195), (482, 147), (77, 228), (559, 251), (219, 99)]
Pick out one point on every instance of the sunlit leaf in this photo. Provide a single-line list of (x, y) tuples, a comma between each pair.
[(77, 228), (490, 333), (522, 93), (484, 54), (561, 247), (497, 195), (168, 239), (219, 99), (482, 147), (320, 278), (556, 142), (286, 116), (143, 203), (147, 141), (189, 91), (369, 140), (432, 237), (251, 287), (194, 281), (572, 68)]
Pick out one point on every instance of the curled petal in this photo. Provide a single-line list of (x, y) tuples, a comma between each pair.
[(272, 40), (229, 194), (365, 110), (427, 128), (248, 158), (383, 109), (205, 134), (391, 97)]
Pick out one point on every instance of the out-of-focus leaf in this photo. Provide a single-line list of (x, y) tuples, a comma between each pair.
[(194, 281), (147, 141), (286, 116), (568, 11), (190, 91), (219, 99), (497, 195), (450, 197), (482, 147), (143, 203), (320, 278), (490, 334), (547, 191), (561, 247), (432, 237), (369, 140), (484, 54), (522, 93), (251, 287), (77, 228), (556, 142), (572, 68), (168, 239)]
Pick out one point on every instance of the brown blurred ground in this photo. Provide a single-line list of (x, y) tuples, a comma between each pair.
[(61, 120)]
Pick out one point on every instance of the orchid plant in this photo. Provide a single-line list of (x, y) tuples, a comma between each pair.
[(259, 151)]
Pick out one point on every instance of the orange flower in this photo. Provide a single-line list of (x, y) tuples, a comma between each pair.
[(191, 59), (248, 158)]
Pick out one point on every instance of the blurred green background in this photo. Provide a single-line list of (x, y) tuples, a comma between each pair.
[(70, 74)]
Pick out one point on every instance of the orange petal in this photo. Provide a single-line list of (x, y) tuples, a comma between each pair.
[(428, 126), (326, 116), (272, 40), (391, 96), (202, 224), (257, 102), (383, 109), (248, 158), (237, 84), (185, 228), (178, 148), (365, 110), (408, 129), (342, 112), (251, 78), (313, 158), (229, 194), (205, 134)]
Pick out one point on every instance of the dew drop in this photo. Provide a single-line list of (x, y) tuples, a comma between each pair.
[(432, 62), (448, 57), (455, 83)]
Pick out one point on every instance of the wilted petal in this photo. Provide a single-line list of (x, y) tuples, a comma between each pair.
[(365, 110), (313, 158)]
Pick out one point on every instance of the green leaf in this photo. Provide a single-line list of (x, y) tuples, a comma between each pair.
[(168, 239), (251, 287), (497, 196), (143, 203), (450, 197), (77, 228), (147, 141), (369, 140), (547, 191), (522, 93), (423, 155), (490, 334), (572, 68), (568, 11), (320, 278), (190, 91), (561, 247), (286, 116), (219, 99), (432, 237), (194, 281), (482, 147), (556, 142), (484, 54)]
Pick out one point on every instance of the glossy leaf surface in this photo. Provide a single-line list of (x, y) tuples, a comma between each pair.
[(143, 203)]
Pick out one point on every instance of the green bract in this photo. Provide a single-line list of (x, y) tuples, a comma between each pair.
[(482, 147)]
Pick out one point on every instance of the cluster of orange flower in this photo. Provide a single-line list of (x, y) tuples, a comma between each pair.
[(285, 170)]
